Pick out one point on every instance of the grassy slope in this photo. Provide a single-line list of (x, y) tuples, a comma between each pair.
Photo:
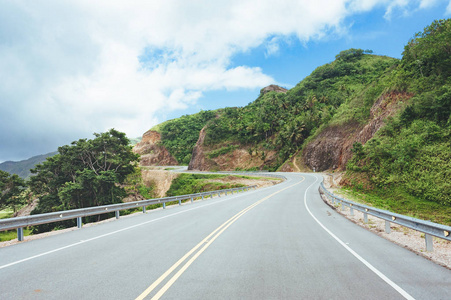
[(180, 135), (407, 165), (346, 87)]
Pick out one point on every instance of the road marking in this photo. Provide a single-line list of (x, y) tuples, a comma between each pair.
[(366, 263), (206, 242), (110, 233)]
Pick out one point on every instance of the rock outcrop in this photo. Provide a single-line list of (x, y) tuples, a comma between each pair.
[(273, 88), (153, 152), (331, 149), (199, 161), (235, 159)]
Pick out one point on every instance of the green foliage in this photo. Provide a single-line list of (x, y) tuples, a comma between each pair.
[(428, 54), (12, 234), (350, 54), (412, 152), (86, 173), (11, 187), (400, 201), (197, 183), (180, 135), (221, 151), (282, 122), (134, 184)]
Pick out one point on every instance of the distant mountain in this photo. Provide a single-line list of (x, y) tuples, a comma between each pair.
[(22, 168)]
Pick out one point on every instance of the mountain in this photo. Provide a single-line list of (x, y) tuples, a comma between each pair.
[(384, 121), (22, 168)]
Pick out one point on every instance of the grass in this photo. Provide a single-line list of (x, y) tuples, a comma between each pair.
[(401, 202), (7, 213), (12, 234)]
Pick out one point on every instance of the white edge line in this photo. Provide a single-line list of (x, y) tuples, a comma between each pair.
[(114, 232), (366, 263)]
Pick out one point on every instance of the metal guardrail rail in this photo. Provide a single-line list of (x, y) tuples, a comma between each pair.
[(430, 229), (20, 222)]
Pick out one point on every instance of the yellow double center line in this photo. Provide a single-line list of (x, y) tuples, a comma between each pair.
[(204, 244)]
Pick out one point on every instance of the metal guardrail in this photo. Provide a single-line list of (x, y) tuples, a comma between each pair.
[(428, 228), (20, 222)]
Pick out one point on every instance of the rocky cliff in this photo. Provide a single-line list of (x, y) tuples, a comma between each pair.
[(227, 157), (273, 88), (152, 151), (331, 148)]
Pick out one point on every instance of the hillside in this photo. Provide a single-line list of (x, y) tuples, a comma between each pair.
[(22, 168), (383, 120)]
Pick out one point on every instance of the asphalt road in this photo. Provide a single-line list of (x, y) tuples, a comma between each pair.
[(280, 242)]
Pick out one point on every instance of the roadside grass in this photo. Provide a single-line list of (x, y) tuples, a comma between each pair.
[(12, 234), (7, 213), (401, 202)]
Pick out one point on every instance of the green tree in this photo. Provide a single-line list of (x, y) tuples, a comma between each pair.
[(429, 52), (85, 173), (11, 186)]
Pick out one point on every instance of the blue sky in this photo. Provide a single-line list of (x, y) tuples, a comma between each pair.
[(72, 68)]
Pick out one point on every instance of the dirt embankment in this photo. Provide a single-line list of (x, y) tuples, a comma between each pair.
[(331, 149), (261, 182), (160, 180), (238, 158), (153, 152)]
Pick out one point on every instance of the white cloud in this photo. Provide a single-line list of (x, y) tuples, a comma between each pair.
[(427, 3), (70, 68), (448, 9)]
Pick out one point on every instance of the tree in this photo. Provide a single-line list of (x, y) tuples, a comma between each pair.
[(85, 173), (429, 52), (11, 186)]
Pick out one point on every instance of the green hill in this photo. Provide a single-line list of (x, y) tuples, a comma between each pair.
[(22, 168), (385, 121)]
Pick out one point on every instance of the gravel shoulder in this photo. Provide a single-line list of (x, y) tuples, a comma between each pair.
[(404, 237)]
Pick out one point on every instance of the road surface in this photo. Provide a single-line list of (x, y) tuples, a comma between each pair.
[(279, 242)]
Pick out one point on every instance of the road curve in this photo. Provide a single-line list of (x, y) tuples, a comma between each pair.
[(279, 242)]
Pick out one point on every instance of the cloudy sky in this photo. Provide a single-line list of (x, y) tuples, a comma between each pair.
[(71, 68)]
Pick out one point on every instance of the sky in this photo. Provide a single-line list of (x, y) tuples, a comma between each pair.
[(71, 68)]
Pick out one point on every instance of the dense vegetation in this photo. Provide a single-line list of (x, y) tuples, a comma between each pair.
[(411, 155), (180, 135), (282, 122), (83, 174), (11, 191), (197, 183)]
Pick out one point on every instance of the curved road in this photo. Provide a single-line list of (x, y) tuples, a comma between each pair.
[(280, 242)]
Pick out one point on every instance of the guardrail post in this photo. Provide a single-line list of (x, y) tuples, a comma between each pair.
[(20, 234), (144, 209), (211, 195), (202, 197), (180, 201), (365, 217), (117, 214), (192, 199), (219, 194), (342, 206), (164, 205), (429, 242), (225, 193), (79, 223), (387, 226), (351, 210)]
